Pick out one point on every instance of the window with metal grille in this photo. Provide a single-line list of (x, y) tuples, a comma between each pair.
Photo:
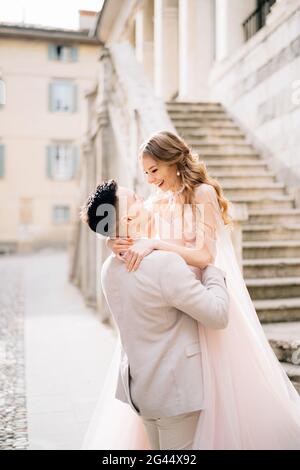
[(257, 19)]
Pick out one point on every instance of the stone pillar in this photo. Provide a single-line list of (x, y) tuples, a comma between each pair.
[(196, 48), (144, 37), (229, 18), (166, 48), (102, 155)]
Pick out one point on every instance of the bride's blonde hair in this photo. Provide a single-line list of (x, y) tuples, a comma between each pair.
[(169, 148)]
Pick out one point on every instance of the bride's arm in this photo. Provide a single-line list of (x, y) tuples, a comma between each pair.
[(198, 257), (120, 246), (204, 252)]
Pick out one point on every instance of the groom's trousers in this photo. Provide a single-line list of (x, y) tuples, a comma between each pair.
[(172, 433)]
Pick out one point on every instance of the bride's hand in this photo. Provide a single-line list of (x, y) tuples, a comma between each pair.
[(119, 246), (137, 252)]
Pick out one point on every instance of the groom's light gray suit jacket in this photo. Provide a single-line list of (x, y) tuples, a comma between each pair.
[(156, 309)]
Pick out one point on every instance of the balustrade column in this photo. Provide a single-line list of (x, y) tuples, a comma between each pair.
[(144, 37), (230, 16), (196, 46), (166, 48)]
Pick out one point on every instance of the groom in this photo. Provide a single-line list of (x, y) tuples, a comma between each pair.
[(157, 309)]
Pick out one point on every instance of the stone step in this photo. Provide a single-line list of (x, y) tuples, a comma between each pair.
[(271, 232), (253, 189), (262, 177), (293, 373), (193, 104), (285, 341), (225, 150), (278, 310), (271, 249), (216, 141), (203, 119), (181, 106), (196, 114), (237, 165), (260, 173), (256, 202), (231, 153), (273, 288), (210, 132), (271, 267), (180, 123), (274, 216)]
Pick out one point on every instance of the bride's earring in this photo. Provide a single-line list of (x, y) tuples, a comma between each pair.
[(126, 219), (178, 173)]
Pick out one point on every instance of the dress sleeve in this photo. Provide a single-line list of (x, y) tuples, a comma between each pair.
[(208, 219)]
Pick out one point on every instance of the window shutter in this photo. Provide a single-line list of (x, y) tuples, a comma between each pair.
[(75, 160), (50, 97), (74, 54), (75, 98), (49, 165), (1, 161), (52, 54), (2, 93)]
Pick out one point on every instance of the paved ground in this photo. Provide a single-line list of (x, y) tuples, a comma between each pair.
[(13, 416), (67, 352)]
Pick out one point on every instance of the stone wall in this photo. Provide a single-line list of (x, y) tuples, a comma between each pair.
[(260, 85)]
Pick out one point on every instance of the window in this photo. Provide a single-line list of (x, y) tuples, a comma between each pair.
[(62, 161), (2, 93), (61, 214), (62, 53), (62, 96), (257, 19), (2, 156)]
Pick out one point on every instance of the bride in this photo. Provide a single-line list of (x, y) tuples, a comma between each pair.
[(250, 403)]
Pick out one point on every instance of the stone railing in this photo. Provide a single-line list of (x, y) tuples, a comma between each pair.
[(122, 111), (260, 85)]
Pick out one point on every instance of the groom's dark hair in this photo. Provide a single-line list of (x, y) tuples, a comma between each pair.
[(99, 212)]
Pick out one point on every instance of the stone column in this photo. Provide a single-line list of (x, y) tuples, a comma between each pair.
[(102, 155), (229, 18), (144, 37), (166, 48), (196, 48)]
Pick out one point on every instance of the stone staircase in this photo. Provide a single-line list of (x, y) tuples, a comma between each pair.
[(271, 235)]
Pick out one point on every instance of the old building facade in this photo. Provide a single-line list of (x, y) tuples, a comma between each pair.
[(44, 73)]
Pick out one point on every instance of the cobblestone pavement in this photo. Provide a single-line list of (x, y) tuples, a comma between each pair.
[(47, 400), (13, 420)]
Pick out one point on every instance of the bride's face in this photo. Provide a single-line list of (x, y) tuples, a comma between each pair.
[(160, 174)]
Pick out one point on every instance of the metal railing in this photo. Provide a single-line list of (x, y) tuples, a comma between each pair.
[(257, 19)]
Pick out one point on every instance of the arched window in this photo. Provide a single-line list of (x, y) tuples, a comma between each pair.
[(2, 93)]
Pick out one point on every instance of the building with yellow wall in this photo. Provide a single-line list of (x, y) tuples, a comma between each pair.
[(44, 75)]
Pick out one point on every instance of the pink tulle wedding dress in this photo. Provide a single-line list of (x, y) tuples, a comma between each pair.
[(250, 403)]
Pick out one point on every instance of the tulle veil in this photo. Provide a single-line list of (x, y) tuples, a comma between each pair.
[(250, 403)]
